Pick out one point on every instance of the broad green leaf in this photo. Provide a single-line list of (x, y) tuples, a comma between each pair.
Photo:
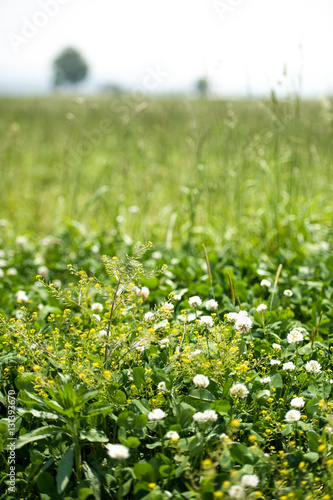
[(202, 394), (139, 376), (221, 406), (65, 469), (241, 454), (94, 436), (37, 435), (311, 457), (45, 482), (196, 445), (144, 472)]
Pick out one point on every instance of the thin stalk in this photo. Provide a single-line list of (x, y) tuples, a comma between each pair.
[(109, 323), (209, 272), (275, 285)]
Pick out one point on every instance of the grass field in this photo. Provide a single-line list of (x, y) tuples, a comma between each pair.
[(197, 368), (168, 171)]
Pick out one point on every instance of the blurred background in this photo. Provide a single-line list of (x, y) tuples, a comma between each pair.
[(176, 121)]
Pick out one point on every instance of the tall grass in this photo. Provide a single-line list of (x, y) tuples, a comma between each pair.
[(175, 172)]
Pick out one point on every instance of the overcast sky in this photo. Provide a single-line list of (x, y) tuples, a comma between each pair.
[(242, 46)]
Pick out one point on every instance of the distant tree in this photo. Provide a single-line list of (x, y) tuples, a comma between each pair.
[(69, 67), (202, 86)]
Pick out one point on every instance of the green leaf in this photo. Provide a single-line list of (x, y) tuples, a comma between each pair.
[(44, 414), (241, 454), (65, 469), (37, 435), (97, 409), (313, 441), (94, 481), (119, 397), (84, 493), (311, 457), (221, 406), (196, 445), (144, 472), (45, 482), (202, 394), (276, 381), (139, 376), (132, 442), (94, 436)]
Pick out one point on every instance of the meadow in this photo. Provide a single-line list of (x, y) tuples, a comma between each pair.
[(196, 366)]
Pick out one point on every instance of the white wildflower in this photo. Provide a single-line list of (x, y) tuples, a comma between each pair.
[(250, 481), (211, 305), (232, 317), (97, 306), (11, 271), (164, 343), (21, 296), (3, 263), (297, 403), (265, 282), (201, 381), (239, 390), (156, 414), (149, 316), (295, 336), (168, 307), (21, 240), (144, 292), (117, 451), (275, 362), (292, 416), (173, 435), (195, 301), (206, 321), (276, 346), (289, 366), (243, 324), (102, 333), (43, 271), (261, 308), (97, 317), (288, 293), (237, 492), (265, 380), (206, 416), (162, 387), (1, 273), (313, 366)]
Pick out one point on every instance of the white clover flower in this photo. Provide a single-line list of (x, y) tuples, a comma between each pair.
[(265, 380), (276, 346), (289, 366), (288, 293), (297, 403), (164, 343), (149, 316), (21, 296), (157, 255), (295, 336), (292, 416), (2, 254), (168, 306), (211, 305), (242, 314), (313, 366), (57, 283), (102, 333), (275, 362), (206, 321), (331, 380), (201, 381), (236, 492), (162, 324), (43, 271), (231, 317), (206, 416), (117, 451), (1, 273), (144, 292), (195, 353), (21, 240), (173, 435), (250, 481), (97, 306), (19, 314), (33, 346), (11, 271), (243, 324), (224, 437), (134, 209), (265, 282), (3, 263), (239, 390), (97, 317), (162, 387), (156, 414), (195, 301), (261, 308)]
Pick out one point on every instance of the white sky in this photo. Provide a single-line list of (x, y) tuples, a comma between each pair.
[(244, 50)]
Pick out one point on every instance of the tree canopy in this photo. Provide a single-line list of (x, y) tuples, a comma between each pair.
[(69, 67)]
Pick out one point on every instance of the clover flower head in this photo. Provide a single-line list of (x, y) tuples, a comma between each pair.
[(148, 316), (172, 435), (232, 317), (265, 380), (297, 403), (97, 306), (211, 305), (243, 324), (288, 293), (250, 481), (239, 390), (206, 321), (201, 381), (117, 451), (261, 308), (295, 336), (292, 416), (156, 414), (265, 282), (143, 292), (313, 366), (289, 366), (276, 346), (237, 492), (275, 362), (195, 301), (162, 387), (21, 296)]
